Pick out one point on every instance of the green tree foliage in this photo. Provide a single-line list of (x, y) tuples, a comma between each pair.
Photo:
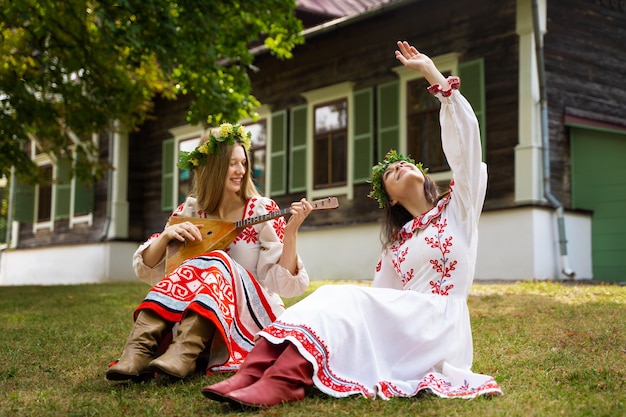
[(69, 68)]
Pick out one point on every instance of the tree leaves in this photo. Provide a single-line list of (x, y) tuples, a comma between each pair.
[(72, 68)]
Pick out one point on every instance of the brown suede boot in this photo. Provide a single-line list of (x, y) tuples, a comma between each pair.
[(194, 333), (283, 382), (261, 357), (140, 347)]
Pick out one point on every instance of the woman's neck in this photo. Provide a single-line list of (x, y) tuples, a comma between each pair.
[(231, 208), (418, 208)]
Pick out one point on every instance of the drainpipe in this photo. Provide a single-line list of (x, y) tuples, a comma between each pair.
[(566, 270)]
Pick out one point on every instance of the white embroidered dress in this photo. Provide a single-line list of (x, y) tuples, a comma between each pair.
[(411, 330)]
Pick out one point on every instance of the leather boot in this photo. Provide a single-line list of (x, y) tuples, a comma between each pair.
[(283, 382), (261, 357), (194, 333), (140, 347)]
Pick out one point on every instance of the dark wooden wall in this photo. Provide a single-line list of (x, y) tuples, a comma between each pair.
[(585, 59)]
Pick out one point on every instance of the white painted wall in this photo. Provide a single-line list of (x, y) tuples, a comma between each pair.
[(514, 244), (523, 243), (348, 252), (67, 265)]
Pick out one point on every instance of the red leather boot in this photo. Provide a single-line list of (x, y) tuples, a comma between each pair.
[(261, 357), (283, 382)]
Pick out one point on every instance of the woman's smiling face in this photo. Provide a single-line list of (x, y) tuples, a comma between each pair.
[(236, 169)]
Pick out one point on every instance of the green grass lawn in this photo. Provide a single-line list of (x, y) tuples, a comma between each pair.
[(556, 349)]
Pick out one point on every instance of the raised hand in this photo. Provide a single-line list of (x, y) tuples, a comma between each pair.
[(411, 57), (415, 60)]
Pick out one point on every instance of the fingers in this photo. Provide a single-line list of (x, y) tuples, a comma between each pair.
[(300, 207), (406, 50), (300, 210), (306, 206), (185, 231), (404, 47)]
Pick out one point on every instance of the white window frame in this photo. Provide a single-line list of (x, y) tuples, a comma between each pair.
[(85, 218), (320, 96), (180, 134), (41, 160), (264, 112)]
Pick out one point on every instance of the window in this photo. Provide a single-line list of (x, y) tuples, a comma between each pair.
[(329, 144), (175, 183), (329, 165), (423, 129), (184, 175), (420, 131), (258, 153), (44, 195), (59, 196), (330, 147)]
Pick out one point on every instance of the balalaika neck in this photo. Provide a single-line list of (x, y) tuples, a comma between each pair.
[(323, 204)]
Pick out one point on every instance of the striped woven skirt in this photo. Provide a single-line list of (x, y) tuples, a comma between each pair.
[(216, 287)]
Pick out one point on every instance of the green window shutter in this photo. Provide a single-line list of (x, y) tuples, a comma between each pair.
[(167, 175), (388, 117), (278, 164), (297, 158), (63, 189), (363, 119), (24, 202), (84, 194), (472, 75), (83, 198)]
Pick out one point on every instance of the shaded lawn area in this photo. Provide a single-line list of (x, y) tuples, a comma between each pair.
[(556, 349)]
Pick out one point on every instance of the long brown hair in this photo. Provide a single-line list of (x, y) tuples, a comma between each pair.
[(209, 179), (396, 216)]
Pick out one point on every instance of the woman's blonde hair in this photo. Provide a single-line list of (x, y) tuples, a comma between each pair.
[(209, 179)]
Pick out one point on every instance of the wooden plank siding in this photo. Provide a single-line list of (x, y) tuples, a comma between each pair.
[(586, 75)]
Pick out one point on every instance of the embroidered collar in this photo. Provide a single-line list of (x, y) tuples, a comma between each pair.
[(422, 221)]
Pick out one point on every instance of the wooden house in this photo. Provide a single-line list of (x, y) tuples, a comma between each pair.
[(546, 79)]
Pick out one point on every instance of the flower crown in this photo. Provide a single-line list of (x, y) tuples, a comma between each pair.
[(378, 192), (227, 133)]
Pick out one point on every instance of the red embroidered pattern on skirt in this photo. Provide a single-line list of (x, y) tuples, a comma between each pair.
[(319, 351), (316, 347), (441, 387), (206, 285)]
